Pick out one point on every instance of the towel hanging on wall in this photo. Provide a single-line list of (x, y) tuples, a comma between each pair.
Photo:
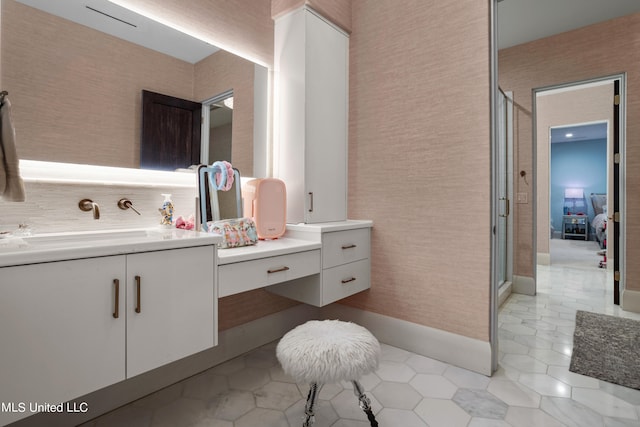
[(11, 184)]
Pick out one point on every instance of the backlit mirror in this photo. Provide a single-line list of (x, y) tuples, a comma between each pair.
[(76, 91)]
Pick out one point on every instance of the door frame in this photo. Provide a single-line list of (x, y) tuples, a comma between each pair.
[(206, 124), (620, 241)]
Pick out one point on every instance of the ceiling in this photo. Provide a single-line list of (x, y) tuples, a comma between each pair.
[(110, 18), (587, 132), (521, 21)]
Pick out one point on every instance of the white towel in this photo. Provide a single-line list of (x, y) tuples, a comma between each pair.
[(11, 184)]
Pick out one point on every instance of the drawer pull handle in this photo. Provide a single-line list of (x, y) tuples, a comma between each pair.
[(277, 270), (138, 302), (351, 246), (310, 201), (351, 279), (116, 303)]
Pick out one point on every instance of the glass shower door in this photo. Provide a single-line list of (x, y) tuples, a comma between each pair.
[(503, 177)]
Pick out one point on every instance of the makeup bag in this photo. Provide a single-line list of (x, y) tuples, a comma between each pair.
[(236, 232)]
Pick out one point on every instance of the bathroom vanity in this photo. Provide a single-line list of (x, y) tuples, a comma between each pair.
[(314, 263), (82, 311)]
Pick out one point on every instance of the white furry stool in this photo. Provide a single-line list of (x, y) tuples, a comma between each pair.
[(327, 351)]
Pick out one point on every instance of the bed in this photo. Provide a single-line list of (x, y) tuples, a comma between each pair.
[(599, 222)]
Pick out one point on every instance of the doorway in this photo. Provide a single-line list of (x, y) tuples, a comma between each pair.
[(578, 193), (582, 103), (217, 128)]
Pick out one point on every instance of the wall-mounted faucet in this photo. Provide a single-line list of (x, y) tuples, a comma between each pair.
[(87, 205), (125, 204)]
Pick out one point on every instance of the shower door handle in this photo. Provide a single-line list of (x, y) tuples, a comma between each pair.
[(506, 207)]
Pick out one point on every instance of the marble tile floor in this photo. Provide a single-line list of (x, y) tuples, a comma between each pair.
[(532, 386)]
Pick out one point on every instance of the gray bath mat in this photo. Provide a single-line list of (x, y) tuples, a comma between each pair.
[(607, 348)]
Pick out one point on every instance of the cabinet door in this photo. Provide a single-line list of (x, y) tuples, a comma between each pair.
[(60, 339), (174, 313), (327, 55)]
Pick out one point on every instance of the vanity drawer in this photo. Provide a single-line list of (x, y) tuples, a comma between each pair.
[(344, 280), (247, 275), (341, 247)]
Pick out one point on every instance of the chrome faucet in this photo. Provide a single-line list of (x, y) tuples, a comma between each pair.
[(125, 204), (87, 205)]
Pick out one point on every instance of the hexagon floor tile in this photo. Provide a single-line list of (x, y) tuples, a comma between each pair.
[(532, 386)]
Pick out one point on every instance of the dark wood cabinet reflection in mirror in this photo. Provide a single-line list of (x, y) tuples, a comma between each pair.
[(170, 132)]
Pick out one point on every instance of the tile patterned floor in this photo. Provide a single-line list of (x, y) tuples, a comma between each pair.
[(532, 387)]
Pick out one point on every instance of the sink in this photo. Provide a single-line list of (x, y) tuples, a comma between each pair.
[(46, 247), (77, 239), (88, 237)]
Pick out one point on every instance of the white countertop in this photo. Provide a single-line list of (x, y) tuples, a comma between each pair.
[(266, 248), (323, 227), (46, 247)]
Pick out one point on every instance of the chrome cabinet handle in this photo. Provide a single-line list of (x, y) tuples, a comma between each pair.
[(138, 302), (350, 246), (116, 303), (351, 279), (311, 201), (277, 270)]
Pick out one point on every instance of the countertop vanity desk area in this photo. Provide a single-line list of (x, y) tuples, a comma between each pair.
[(123, 305), (313, 263)]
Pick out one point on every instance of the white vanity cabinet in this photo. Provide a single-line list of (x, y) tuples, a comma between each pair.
[(71, 327), (311, 69), (60, 338), (171, 306), (345, 261)]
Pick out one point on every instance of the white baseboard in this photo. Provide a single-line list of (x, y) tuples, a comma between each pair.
[(447, 347), (523, 285), (543, 258), (630, 300)]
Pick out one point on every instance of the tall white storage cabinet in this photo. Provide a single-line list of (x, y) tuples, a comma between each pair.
[(312, 68)]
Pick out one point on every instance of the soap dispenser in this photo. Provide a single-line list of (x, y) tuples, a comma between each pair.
[(166, 211)]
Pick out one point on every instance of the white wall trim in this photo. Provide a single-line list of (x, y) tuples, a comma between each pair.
[(630, 300), (524, 285), (544, 258), (447, 347)]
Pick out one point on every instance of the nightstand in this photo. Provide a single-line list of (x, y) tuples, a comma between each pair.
[(575, 226)]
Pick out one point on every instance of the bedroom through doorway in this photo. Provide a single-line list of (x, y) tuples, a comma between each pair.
[(577, 130), (578, 184)]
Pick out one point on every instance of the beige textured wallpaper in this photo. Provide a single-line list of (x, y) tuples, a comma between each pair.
[(599, 50), (419, 159)]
